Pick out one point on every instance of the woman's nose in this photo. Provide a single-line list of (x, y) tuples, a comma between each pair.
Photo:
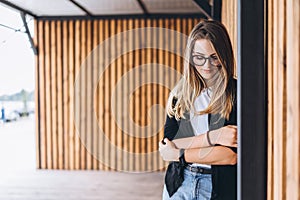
[(206, 64)]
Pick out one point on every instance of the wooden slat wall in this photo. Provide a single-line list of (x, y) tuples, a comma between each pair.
[(283, 96), (63, 48), (229, 19)]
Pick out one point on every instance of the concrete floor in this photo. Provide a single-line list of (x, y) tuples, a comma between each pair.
[(20, 180)]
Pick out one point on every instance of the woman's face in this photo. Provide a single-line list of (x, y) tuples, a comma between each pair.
[(205, 59)]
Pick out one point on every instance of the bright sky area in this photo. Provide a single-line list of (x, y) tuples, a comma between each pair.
[(16, 56)]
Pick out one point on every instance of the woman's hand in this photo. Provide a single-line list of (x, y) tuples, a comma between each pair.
[(226, 136), (168, 151)]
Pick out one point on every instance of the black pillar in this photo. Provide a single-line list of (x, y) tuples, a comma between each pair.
[(252, 100), (217, 10)]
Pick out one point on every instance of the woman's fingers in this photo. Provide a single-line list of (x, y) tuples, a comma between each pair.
[(160, 145), (163, 144), (168, 151), (226, 136), (166, 140)]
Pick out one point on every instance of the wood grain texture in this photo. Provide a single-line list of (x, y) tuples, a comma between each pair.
[(229, 19), (37, 99), (59, 74), (65, 92), (65, 49), (283, 95), (42, 146), (48, 96), (95, 95), (71, 74), (293, 100)]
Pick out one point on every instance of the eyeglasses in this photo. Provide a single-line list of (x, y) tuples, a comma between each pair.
[(201, 60)]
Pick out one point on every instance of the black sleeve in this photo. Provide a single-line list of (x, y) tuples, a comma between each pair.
[(233, 115), (171, 127), (234, 149)]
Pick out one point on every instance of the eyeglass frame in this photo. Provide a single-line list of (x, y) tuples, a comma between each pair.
[(205, 59)]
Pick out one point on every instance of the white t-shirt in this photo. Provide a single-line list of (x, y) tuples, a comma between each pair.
[(200, 122)]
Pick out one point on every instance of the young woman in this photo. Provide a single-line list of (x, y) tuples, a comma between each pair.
[(200, 129)]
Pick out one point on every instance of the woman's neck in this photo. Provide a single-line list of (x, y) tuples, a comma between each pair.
[(209, 83)]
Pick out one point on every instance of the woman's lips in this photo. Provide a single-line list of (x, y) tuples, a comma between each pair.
[(206, 70)]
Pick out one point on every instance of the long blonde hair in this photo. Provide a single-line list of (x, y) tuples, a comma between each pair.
[(182, 97)]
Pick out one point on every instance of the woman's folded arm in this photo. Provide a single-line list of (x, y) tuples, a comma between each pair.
[(215, 155), (226, 136)]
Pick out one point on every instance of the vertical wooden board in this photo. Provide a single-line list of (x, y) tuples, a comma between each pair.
[(83, 95), (73, 59), (125, 87), (277, 189), (234, 38), (154, 93), (66, 93), (91, 90), (131, 98), (89, 96), (224, 12), (166, 60), (172, 49), (137, 102), (179, 47), (270, 176), (293, 102), (190, 24), (149, 97), (60, 122), (95, 94), (37, 98), (77, 95), (142, 97), (279, 118), (112, 70), (229, 19), (42, 107), (48, 94), (106, 96), (184, 25), (101, 91), (119, 114), (196, 21), (53, 49), (161, 77)]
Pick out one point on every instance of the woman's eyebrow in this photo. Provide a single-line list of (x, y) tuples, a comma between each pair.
[(194, 52), (198, 53)]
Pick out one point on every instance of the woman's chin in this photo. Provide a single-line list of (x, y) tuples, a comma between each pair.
[(207, 76)]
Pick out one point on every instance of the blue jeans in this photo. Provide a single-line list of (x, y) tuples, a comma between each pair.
[(196, 186)]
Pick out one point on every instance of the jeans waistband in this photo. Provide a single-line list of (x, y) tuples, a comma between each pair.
[(198, 169)]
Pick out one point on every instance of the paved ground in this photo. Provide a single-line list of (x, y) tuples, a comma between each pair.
[(20, 180)]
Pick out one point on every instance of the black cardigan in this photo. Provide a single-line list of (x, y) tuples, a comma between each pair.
[(224, 177)]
